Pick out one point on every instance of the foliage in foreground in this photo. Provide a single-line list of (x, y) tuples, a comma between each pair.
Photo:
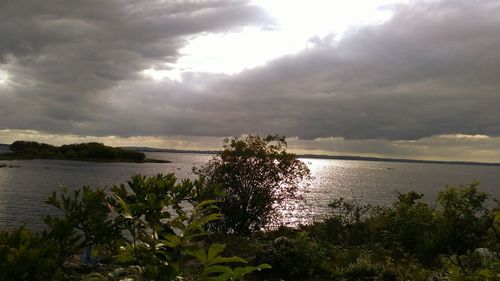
[(458, 239), (142, 231)]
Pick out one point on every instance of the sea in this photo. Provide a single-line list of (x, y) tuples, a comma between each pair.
[(24, 185)]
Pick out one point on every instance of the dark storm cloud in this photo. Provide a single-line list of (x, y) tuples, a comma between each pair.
[(60, 56), (432, 69)]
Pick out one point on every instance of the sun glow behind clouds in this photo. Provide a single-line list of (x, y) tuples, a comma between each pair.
[(296, 23), (307, 18), (3, 77)]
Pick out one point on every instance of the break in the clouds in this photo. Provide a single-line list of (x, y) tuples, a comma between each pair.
[(429, 71), (62, 58)]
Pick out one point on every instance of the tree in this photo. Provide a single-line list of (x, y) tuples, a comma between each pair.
[(255, 175), (465, 219)]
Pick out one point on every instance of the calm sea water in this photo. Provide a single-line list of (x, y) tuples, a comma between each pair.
[(23, 189)]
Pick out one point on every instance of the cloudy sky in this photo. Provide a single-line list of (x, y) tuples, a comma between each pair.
[(410, 79)]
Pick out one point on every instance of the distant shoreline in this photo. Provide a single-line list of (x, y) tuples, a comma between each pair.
[(311, 156), (396, 160), (147, 160), (333, 157)]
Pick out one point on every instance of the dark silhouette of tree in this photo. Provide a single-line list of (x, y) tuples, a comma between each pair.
[(81, 151), (255, 175)]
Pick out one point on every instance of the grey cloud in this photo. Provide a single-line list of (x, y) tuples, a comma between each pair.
[(62, 56), (430, 70)]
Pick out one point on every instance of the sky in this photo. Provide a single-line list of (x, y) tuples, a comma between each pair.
[(413, 79)]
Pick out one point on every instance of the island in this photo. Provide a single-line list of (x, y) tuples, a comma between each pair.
[(91, 151)]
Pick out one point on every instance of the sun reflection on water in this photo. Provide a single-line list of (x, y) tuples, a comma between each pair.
[(303, 211), (331, 179)]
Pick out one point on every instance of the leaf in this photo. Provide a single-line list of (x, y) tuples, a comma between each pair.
[(241, 271), (193, 236), (199, 254), (177, 224), (217, 269), (219, 260), (204, 203), (171, 240), (94, 252), (125, 212), (264, 266), (214, 250), (209, 218), (486, 273), (124, 257), (496, 222)]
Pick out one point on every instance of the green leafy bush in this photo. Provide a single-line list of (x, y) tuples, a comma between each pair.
[(255, 175), (29, 256), (147, 230), (463, 217)]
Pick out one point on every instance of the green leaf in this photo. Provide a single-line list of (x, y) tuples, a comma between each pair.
[(214, 250), (171, 240), (209, 218), (496, 222), (241, 271), (125, 212), (193, 236), (199, 254), (264, 266), (219, 260), (204, 203), (124, 257), (486, 273), (216, 269), (178, 224)]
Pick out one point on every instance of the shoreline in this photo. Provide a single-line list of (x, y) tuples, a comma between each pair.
[(147, 160)]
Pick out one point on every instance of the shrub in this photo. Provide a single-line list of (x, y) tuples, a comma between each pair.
[(147, 230), (29, 256), (463, 217), (412, 225), (255, 175)]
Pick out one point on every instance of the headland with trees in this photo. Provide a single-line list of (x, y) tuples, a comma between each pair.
[(91, 151)]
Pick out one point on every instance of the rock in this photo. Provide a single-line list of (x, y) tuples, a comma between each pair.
[(486, 254), (282, 241)]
